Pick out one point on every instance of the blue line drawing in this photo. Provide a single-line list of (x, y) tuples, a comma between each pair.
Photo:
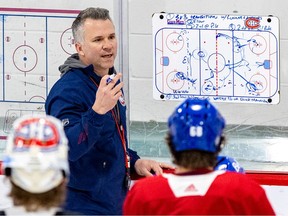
[(33, 45), (216, 57)]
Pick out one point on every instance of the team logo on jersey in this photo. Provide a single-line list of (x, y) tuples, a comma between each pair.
[(191, 188), (122, 100)]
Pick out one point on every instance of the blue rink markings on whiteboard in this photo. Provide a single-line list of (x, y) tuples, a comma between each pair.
[(220, 57), (28, 53)]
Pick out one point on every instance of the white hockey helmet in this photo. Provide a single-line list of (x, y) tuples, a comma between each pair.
[(36, 153)]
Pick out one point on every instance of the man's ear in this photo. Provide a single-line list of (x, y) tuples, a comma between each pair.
[(79, 49)]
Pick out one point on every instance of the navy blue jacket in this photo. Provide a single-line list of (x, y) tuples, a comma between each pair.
[(96, 155)]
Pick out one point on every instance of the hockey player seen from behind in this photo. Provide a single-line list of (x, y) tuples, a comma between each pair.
[(195, 138), (36, 164)]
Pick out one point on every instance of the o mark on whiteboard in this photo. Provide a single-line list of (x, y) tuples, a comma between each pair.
[(174, 42), (25, 58)]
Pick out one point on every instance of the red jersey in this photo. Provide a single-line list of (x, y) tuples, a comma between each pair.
[(205, 193)]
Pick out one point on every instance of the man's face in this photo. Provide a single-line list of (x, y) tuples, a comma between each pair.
[(99, 46)]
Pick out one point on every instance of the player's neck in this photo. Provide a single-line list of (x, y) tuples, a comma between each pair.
[(180, 170)]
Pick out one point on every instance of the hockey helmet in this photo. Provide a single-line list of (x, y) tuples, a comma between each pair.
[(196, 125), (35, 157), (228, 163)]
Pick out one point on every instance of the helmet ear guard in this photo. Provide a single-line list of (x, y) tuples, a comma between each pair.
[(196, 125), (64, 174), (221, 143)]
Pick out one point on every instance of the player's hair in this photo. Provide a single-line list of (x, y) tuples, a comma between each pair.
[(193, 159), (33, 202), (88, 13)]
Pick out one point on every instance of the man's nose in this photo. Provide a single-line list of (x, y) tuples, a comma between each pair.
[(107, 44)]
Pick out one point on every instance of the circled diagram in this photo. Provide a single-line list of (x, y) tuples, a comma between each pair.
[(25, 58)]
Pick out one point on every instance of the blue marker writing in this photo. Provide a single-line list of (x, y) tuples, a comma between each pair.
[(110, 78)]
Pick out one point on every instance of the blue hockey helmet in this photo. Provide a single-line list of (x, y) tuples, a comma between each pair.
[(228, 163), (196, 125)]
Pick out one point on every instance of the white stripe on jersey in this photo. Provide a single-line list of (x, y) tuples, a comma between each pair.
[(191, 185)]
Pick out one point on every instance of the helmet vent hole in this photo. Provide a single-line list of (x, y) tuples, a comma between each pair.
[(7, 171)]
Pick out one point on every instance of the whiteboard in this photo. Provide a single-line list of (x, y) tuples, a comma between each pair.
[(34, 42), (225, 58)]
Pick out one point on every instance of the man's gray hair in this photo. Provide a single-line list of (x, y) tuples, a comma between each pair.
[(88, 13)]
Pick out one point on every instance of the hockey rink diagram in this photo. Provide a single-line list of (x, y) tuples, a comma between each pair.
[(30, 47), (33, 44), (224, 58)]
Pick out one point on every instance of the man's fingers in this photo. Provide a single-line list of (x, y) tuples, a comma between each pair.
[(166, 166), (146, 173)]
